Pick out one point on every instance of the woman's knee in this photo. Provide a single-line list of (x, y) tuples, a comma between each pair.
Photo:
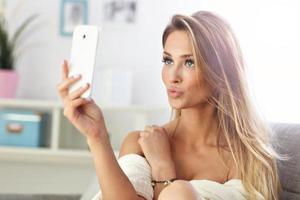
[(178, 190)]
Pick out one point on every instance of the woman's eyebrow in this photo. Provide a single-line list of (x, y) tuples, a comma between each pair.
[(182, 56)]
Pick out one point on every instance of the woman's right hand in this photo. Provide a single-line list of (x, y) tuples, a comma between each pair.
[(84, 114)]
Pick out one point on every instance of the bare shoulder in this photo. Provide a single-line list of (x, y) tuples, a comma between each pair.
[(130, 144)]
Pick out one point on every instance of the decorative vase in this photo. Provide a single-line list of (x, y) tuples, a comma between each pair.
[(8, 83)]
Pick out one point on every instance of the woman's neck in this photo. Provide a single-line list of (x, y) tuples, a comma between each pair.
[(197, 125)]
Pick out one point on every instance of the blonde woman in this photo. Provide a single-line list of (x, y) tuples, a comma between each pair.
[(215, 146)]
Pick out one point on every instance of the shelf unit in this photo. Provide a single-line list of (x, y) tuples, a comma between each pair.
[(69, 147)]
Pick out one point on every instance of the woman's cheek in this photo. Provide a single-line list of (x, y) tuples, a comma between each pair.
[(164, 75)]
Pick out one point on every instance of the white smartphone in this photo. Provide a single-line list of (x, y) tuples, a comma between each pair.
[(83, 56)]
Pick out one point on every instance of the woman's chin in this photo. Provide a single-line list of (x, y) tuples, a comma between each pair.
[(176, 106)]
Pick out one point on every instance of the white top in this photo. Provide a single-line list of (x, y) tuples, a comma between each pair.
[(138, 171)]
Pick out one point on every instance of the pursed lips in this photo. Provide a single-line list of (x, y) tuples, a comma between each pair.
[(174, 92)]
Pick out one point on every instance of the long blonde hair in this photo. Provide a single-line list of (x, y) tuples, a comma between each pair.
[(220, 61)]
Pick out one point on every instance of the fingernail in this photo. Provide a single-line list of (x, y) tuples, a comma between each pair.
[(89, 99)]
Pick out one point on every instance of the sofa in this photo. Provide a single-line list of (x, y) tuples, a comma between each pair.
[(286, 140)]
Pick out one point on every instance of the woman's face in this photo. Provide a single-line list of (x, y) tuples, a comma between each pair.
[(179, 73)]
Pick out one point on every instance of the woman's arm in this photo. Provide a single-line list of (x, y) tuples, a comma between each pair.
[(113, 182), (130, 146), (87, 117), (155, 144), (163, 173)]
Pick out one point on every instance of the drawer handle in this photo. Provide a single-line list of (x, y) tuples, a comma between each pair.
[(14, 128)]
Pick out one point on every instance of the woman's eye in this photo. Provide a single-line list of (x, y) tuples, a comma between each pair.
[(189, 63), (167, 61)]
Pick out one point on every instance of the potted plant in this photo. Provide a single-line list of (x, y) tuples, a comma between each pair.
[(8, 46)]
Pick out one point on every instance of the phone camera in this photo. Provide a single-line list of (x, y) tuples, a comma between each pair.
[(84, 36)]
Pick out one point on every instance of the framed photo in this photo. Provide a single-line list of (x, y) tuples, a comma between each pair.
[(72, 13), (120, 11)]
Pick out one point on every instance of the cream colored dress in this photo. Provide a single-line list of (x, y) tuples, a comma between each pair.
[(138, 171)]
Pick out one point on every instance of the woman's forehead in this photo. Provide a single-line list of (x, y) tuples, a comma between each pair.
[(178, 44)]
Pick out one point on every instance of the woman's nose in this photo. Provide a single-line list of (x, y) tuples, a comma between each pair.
[(175, 74)]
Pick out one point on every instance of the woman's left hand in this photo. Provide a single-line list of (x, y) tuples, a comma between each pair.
[(154, 141)]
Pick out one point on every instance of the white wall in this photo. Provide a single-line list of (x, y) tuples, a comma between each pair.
[(135, 47), (269, 32)]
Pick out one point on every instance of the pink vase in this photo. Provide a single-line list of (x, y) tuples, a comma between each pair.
[(8, 83)]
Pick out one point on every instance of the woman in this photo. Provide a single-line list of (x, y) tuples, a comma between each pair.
[(215, 147)]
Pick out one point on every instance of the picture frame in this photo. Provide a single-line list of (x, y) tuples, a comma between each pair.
[(72, 13), (120, 11)]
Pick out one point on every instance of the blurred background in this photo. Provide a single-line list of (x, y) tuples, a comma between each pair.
[(41, 153)]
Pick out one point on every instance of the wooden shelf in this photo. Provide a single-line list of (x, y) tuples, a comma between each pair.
[(25, 154), (59, 151), (44, 155)]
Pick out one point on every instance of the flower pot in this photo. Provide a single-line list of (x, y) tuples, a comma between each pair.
[(8, 83)]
